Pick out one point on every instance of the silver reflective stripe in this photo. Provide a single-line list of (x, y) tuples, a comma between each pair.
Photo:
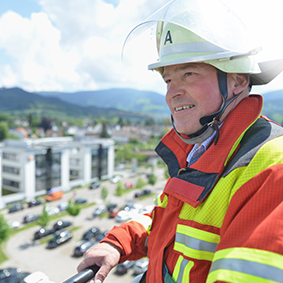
[(156, 201), (248, 267), (182, 268), (195, 244), (190, 47)]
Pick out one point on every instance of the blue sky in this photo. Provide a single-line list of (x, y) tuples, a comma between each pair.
[(73, 45), (23, 7)]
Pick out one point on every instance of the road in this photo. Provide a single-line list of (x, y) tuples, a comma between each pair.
[(59, 264)]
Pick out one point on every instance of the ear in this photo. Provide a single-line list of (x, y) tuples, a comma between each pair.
[(238, 82)]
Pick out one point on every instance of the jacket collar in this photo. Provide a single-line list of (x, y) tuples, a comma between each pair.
[(196, 181), (217, 156)]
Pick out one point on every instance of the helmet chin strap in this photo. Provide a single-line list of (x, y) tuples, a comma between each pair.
[(210, 123)]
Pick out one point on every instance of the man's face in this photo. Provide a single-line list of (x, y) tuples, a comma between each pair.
[(192, 92)]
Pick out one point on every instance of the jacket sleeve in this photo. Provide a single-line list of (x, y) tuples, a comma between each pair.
[(131, 237), (251, 245)]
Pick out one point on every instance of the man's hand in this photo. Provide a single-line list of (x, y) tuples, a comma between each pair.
[(104, 255)]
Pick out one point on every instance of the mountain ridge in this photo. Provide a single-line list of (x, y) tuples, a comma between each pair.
[(109, 103)]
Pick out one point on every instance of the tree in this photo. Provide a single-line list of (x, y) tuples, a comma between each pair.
[(140, 183), (119, 189), (30, 118), (104, 193), (5, 229), (152, 178), (46, 123), (44, 218), (149, 122), (3, 130), (134, 141), (121, 122), (73, 208), (104, 132)]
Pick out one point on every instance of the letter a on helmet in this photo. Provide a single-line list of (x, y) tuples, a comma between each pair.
[(207, 31)]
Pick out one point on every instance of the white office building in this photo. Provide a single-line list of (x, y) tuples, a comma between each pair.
[(30, 168)]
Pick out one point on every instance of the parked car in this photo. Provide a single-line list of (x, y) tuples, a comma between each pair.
[(123, 215), (80, 200), (15, 278), (100, 236), (140, 266), (147, 209), (124, 267), (7, 272), (91, 233), (99, 210), (36, 277), (61, 224), (113, 213), (111, 206), (128, 185), (94, 185), (15, 208), (59, 238), (138, 194), (82, 247), (63, 206), (142, 193), (115, 179), (30, 218), (13, 224), (34, 202), (43, 232), (52, 210), (54, 194)]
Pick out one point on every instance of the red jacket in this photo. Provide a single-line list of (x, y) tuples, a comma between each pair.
[(228, 202)]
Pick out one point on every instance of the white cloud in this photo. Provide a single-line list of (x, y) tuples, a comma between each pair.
[(76, 44)]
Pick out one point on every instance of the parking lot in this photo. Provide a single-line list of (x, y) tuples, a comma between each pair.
[(59, 263)]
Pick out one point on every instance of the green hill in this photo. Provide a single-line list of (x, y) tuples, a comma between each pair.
[(127, 103), (15, 101)]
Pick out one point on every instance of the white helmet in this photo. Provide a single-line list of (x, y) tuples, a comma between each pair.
[(205, 31)]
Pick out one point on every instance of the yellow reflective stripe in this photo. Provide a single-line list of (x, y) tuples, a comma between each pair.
[(233, 276), (195, 243), (186, 273), (197, 233), (235, 145), (193, 253), (177, 268), (181, 273), (246, 265), (159, 202), (255, 255)]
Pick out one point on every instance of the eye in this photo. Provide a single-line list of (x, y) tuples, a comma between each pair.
[(188, 74)]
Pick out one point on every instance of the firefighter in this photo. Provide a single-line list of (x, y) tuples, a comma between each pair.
[(219, 217)]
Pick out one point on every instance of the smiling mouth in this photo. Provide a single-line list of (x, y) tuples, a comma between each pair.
[(177, 109)]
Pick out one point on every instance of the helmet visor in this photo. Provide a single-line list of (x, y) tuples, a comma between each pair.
[(211, 20)]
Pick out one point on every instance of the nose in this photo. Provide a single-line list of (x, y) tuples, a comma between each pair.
[(174, 89)]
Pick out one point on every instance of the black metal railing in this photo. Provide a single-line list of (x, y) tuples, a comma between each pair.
[(84, 276)]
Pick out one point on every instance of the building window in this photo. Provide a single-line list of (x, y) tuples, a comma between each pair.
[(11, 156), (94, 163), (11, 170), (104, 162), (11, 183), (74, 174), (74, 162), (47, 171), (99, 162)]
